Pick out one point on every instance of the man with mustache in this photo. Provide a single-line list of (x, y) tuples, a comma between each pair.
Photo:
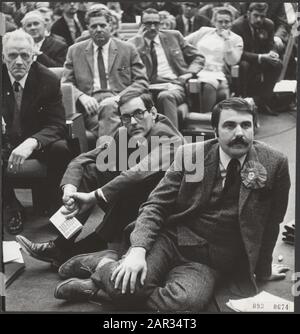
[(195, 232)]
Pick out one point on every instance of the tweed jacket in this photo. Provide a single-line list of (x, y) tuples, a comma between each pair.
[(125, 68), (176, 199)]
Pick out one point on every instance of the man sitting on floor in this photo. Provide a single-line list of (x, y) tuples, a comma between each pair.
[(199, 226)]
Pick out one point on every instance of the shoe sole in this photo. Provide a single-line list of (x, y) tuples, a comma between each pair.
[(29, 252), (85, 270), (60, 285)]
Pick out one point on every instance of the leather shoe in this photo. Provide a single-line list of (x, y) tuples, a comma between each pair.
[(76, 289), (84, 265), (45, 251)]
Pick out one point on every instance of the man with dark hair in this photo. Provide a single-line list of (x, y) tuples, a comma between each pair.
[(215, 215), (35, 121), (69, 26), (190, 21), (108, 173), (102, 69), (168, 59), (260, 64), (50, 51)]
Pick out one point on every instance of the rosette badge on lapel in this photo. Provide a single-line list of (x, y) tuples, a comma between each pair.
[(254, 175)]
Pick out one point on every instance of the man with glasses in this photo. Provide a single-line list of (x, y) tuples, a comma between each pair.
[(114, 176), (168, 58), (35, 121), (190, 20)]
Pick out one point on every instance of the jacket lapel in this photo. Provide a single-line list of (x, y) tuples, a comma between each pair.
[(8, 97), (89, 54), (211, 164), (112, 53), (245, 192)]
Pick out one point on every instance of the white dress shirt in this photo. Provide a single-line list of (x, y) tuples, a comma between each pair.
[(163, 68), (186, 24)]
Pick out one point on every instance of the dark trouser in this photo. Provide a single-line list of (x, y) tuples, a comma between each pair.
[(258, 80), (179, 278), (56, 156), (169, 100)]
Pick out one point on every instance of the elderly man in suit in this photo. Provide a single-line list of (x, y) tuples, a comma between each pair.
[(35, 120), (168, 59), (102, 69), (50, 51), (215, 214), (190, 21), (120, 184), (260, 64)]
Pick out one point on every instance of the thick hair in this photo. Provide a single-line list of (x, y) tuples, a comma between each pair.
[(221, 11), (98, 12), (17, 34), (145, 97), (149, 11), (235, 103), (259, 6)]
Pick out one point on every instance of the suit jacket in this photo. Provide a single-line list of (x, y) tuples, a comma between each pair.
[(53, 51), (61, 28), (42, 111), (125, 69), (138, 181), (199, 21), (182, 56), (252, 47), (176, 200)]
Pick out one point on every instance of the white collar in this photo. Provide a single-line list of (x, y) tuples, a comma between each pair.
[(156, 39), (225, 158), (185, 19), (22, 81), (105, 47)]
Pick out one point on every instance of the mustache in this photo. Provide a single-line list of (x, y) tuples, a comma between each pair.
[(239, 141)]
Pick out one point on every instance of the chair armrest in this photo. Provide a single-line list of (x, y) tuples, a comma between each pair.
[(78, 130)]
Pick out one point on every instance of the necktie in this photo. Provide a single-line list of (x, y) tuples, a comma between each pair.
[(233, 178), (18, 92), (101, 68), (190, 26), (154, 62)]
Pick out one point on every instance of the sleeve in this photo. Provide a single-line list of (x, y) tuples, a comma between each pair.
[(158, 207), (138, 72), (233, 50), (157, 161), (53, 118)]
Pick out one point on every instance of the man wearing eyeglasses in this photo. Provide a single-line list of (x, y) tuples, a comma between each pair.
[(168, 58), (115, 177), (35, 120)]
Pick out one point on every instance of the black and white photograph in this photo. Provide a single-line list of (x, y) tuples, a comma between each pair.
[(148, 158)]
